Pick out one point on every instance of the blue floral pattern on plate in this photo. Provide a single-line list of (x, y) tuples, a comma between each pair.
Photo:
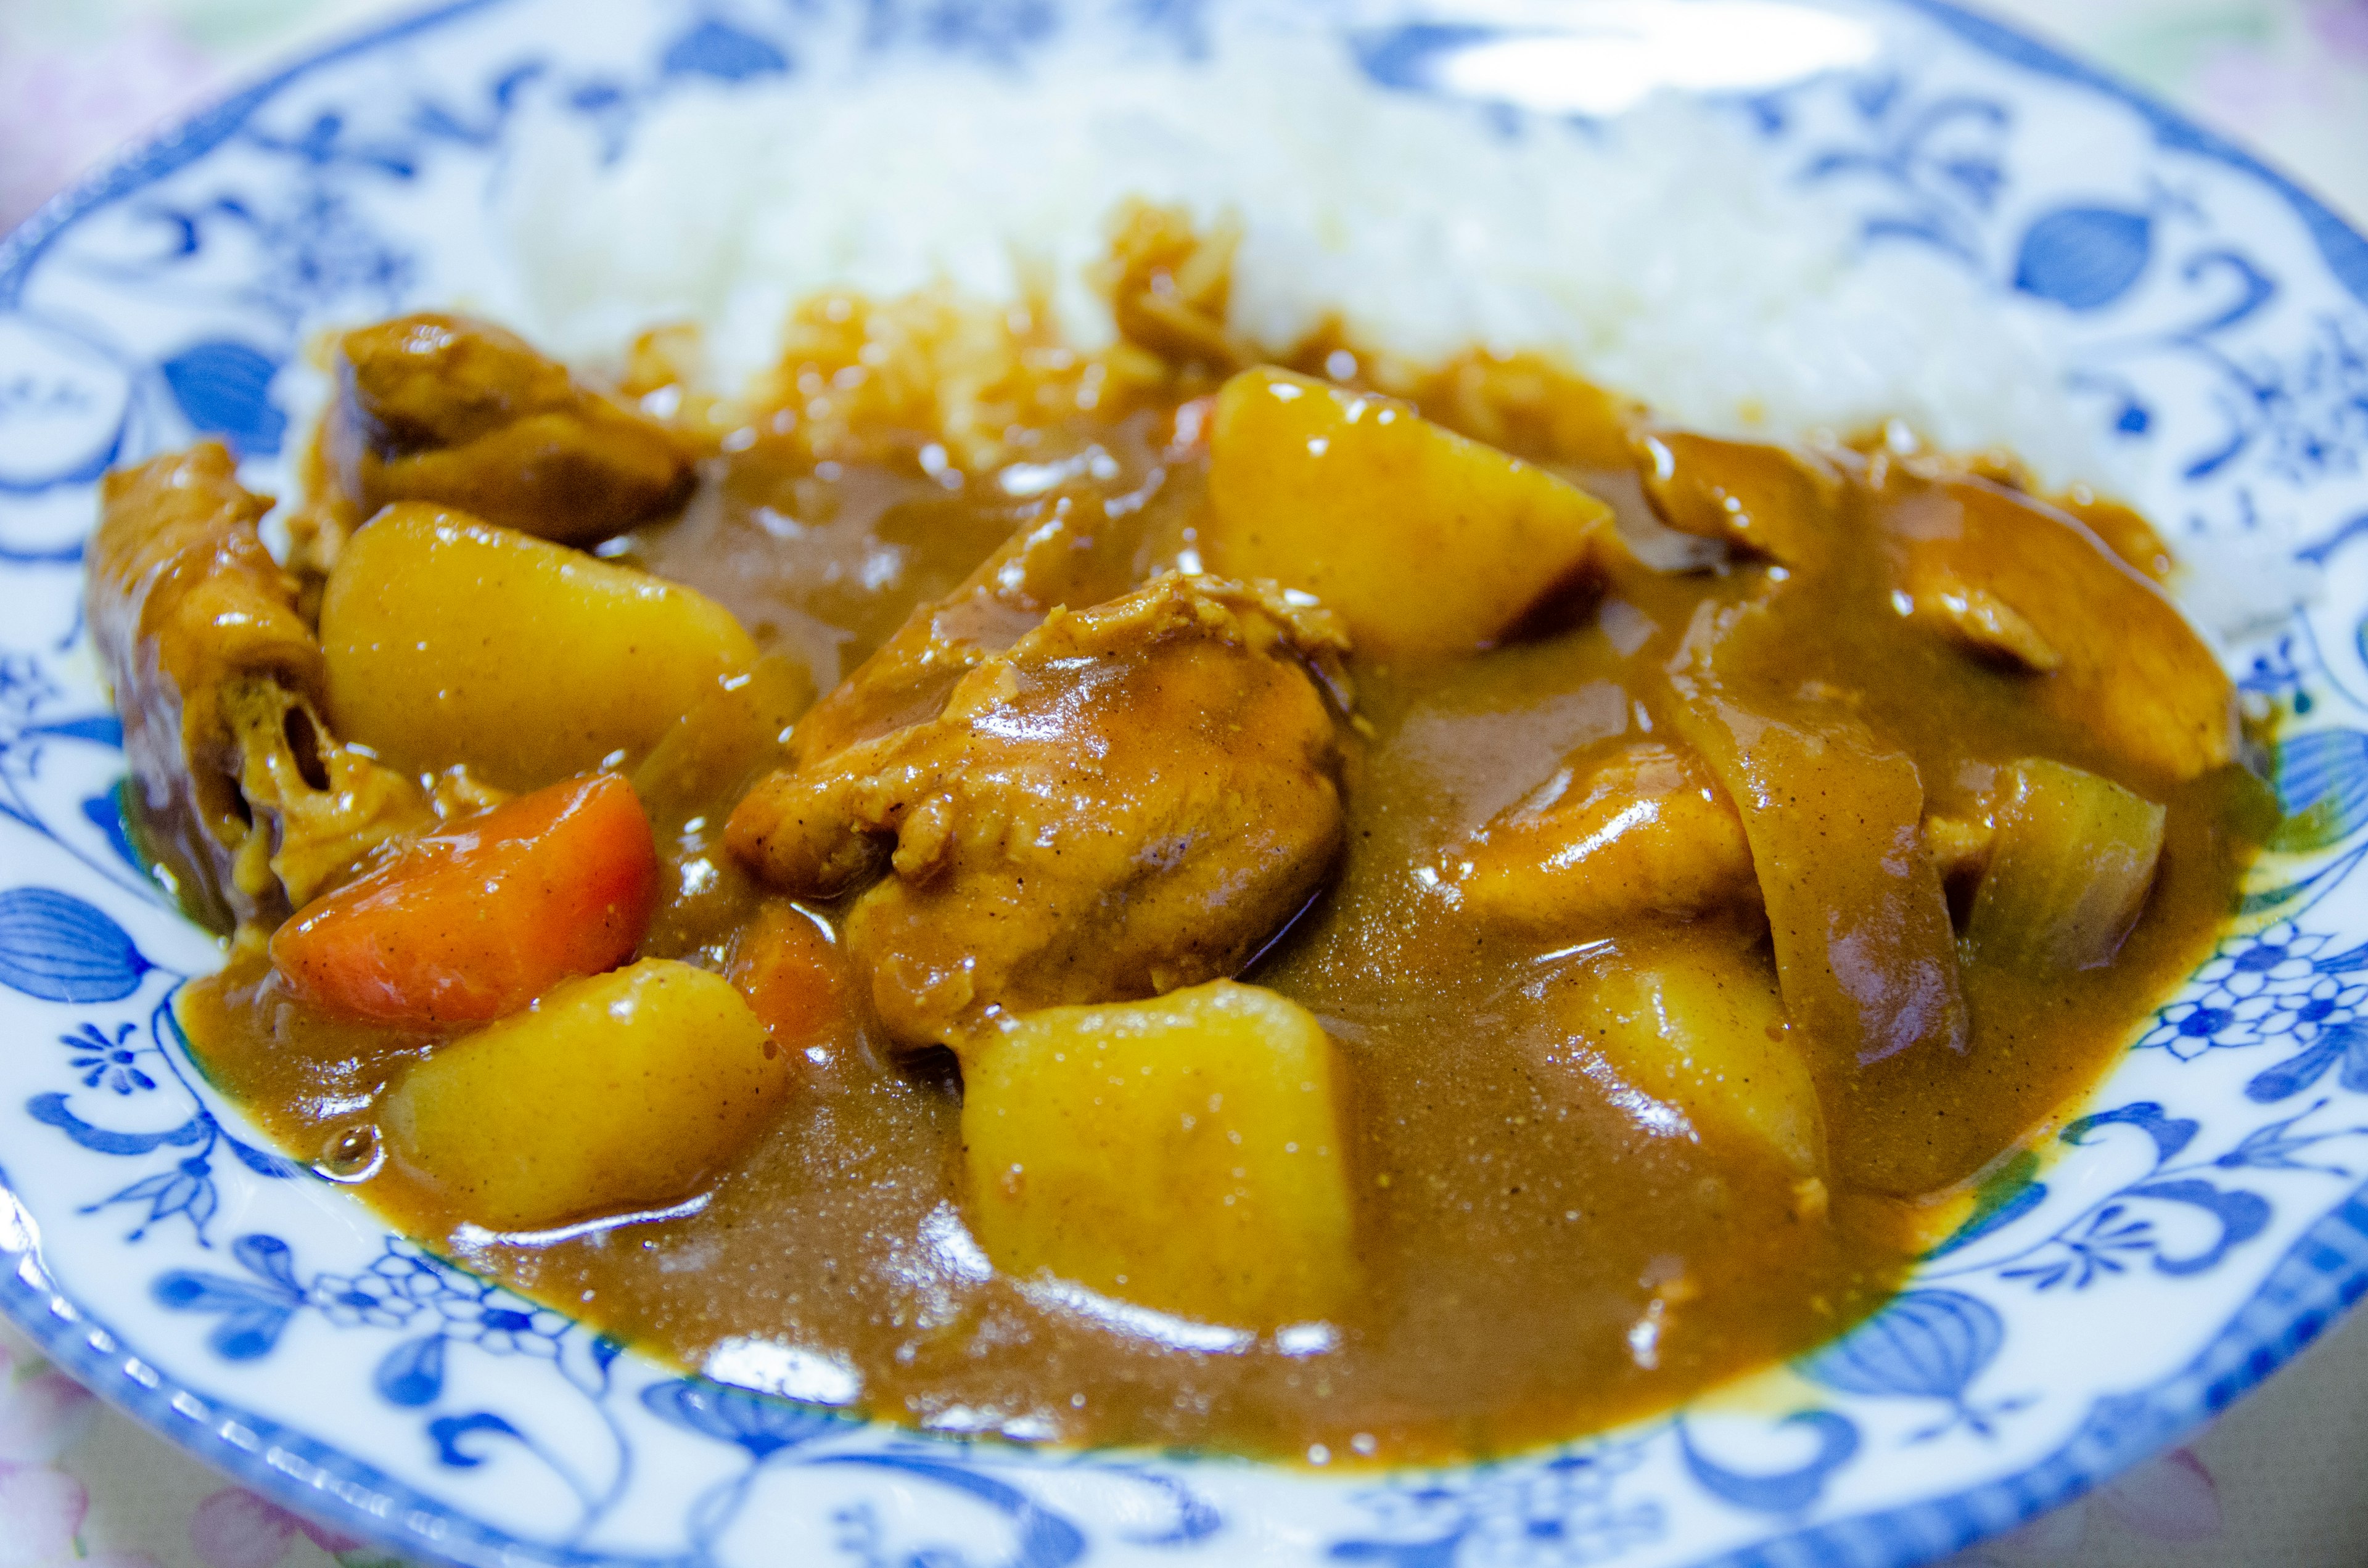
[(2206, 1216)]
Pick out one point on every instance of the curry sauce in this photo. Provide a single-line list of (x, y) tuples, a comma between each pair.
[(1785, 731)]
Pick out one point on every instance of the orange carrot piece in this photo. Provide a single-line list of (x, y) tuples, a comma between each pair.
[(1188, 436), (474, 921), (788, 972)]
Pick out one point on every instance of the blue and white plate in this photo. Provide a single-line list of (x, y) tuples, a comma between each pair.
[(2169, 1250)]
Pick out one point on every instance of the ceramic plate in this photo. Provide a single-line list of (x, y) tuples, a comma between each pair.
[(2168, 1250)]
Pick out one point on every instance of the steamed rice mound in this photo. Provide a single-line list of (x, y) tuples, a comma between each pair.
[(1665, 254)]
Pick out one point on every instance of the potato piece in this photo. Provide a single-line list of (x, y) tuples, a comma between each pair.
[(1183, 1153), (2069, 871), (1701, 1027), (616, 1092), (735, 733), (453, 641), (1423, 542)]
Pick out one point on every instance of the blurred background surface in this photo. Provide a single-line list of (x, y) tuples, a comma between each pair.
[(79, 77), (2280, 1482)]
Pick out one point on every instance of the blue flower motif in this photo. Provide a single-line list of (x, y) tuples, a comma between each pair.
[(760, 1424), (2111, 1242), (2311, 412), (1556, 1515), (1925, 1345), (24, 687), (186, 1189), (107, 1059), (2267, 986), (360, 1301), (502, 1325), (22, 684), (254, 1310), (2278, 674), (418, 1277), (2188, 1029), (59, 947), (405, 1280), (2308, 1013), (1932, 162), (317, 253)]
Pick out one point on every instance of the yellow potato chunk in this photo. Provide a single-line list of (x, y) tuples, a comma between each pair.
[(1182, 1153), (1701, 1028), (1423, 542), (450, 641), (612, 1093), (735, 733)]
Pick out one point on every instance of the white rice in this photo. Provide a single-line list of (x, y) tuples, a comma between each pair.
[(1664, 256)]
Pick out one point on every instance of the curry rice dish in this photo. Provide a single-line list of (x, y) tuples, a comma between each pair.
[(1147, 896)]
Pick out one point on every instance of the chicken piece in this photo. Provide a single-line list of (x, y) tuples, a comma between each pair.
[(459, 412), (1960, 845), (218, 682), (318, 807), (2022, 584), (1128, 800), (1068, 558), (1772, 501), (1643, 830), (1980, 619)]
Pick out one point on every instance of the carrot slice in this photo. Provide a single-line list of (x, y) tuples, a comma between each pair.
[(474, 921), (788, 972)]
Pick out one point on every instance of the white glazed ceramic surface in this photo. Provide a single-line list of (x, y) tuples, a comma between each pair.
[(2169, 1250)]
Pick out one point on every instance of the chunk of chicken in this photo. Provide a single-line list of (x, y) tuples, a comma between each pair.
[(1128, 800), (1960, 845), (1772, 501), (459, 412), (1067, 558), (218, 682), (1640, 830), (1979, 619), (2025, 585), (319, 807)]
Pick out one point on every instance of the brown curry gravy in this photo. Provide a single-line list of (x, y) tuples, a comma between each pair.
[(1537, 1261)]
